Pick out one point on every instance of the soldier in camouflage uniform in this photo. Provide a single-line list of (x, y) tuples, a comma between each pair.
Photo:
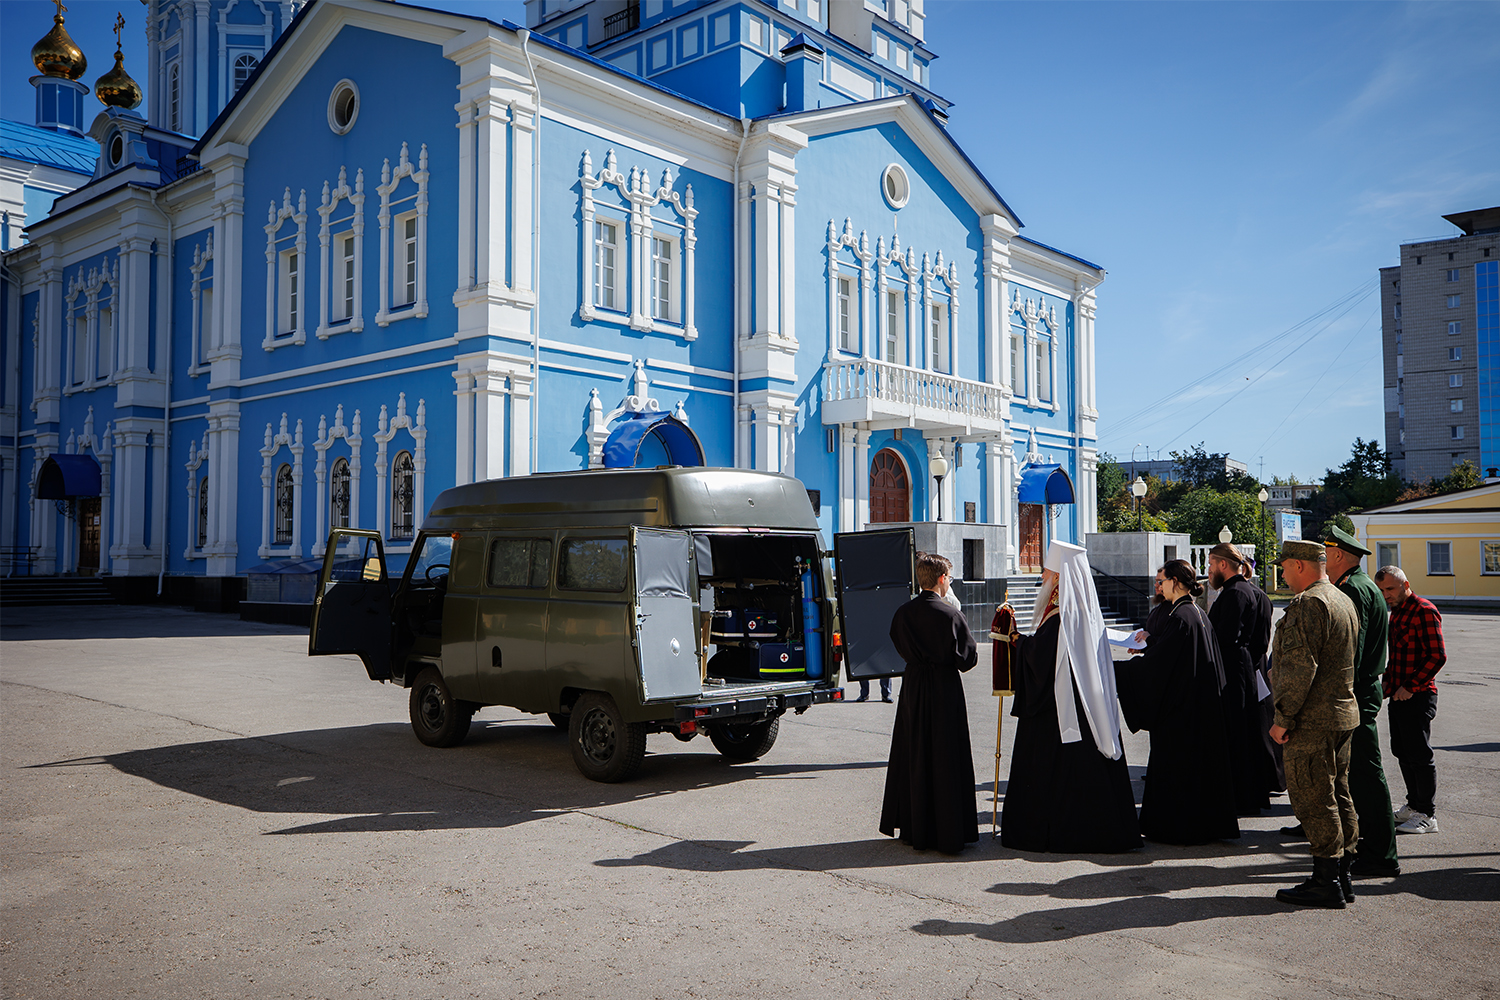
[(1312, 682)]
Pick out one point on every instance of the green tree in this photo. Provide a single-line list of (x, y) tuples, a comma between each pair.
[(1203, 512), (1198, 469), (1464, 476), (1365, 480)]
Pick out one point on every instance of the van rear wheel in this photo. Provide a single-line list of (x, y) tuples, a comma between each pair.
[(744, 740), (438, 719), (605, 747)]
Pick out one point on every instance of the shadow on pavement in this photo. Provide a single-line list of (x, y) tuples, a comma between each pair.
[(128, 622), (378, 778), (1119, 914), (1474, 748)]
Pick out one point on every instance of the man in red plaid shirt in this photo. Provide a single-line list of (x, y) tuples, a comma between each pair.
[(1416, 655)]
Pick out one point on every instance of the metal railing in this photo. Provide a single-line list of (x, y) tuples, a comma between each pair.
[(1198, 556), (949, 395), (622, 21)]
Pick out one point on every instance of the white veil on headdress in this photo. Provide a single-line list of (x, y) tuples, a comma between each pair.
[(1083, 653)]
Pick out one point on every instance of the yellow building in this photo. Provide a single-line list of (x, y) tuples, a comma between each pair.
[(1448, 546)]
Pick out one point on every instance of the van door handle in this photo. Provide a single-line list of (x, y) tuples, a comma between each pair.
[(495, 657)]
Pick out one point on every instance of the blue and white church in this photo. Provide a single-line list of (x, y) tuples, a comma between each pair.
[(341, 255)]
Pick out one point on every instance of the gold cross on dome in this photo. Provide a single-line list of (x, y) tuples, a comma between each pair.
[(119, 26), (60, 7)]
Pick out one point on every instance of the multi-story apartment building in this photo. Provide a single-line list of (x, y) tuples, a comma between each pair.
[(1440, 333)]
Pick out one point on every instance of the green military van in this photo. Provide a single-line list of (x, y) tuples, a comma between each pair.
[(619, 603)]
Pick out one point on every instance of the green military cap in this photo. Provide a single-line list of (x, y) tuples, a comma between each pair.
[(1338, 538), (1308, 551)]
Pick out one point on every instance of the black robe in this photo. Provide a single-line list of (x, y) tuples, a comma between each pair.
[(1234, 617), (1156, 620), (1173, 690), (929, 783), (1062, 797)]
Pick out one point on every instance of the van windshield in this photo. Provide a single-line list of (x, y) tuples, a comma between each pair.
[(431, 560)]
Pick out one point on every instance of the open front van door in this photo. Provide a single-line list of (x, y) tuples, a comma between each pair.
[(666, 614), (352, 609), (877, 573)]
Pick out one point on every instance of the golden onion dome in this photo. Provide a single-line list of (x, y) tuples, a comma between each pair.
[(116, 89), (56, 54)]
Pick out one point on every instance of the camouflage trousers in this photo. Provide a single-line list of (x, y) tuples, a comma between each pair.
[(1317, 782)]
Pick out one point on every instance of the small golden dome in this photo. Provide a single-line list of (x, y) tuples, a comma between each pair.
[(116, 89), (56, 54)]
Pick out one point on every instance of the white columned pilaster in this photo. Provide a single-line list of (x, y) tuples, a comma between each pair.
[(494, 409), (861, 478), (848, 462), (223, 486), (521, 430), (200, 67), (138, 446), (463, 439), (489, 425), (137, 384), (997, 232), (1088, 500), (46, 393), (227, 161)]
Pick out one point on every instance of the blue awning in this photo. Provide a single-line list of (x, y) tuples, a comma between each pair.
[(632, 439), (65, 476), (1045, 484)]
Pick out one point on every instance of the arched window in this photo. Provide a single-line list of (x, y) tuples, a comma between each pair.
[(174, 97), (203, 512), (243, 67), (403, 488), (284, 509), (338, 495)]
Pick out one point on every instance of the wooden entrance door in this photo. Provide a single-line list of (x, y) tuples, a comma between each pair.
[(88, 536), (890, 489), (1031, 537)]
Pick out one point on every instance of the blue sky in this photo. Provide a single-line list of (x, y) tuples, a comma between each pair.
[(1239, 169)]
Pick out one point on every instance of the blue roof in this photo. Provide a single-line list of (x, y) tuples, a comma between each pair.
[(30, 144), (1045, 483), (1038, 243)]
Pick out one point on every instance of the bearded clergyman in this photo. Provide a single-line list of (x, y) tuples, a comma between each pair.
[(1069, 789)]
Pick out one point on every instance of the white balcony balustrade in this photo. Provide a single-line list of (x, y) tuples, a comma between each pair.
[(864, 389)]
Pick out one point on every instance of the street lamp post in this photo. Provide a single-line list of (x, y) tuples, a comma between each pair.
[(1225, 535), (939, 468), (1138, 490), (1262, 496)]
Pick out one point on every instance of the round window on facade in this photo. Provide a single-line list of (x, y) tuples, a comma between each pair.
[(895, 186), (116, 150), (343, 107)]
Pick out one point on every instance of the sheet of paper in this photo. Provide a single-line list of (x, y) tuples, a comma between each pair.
[(1128, 640), (1261, 691)]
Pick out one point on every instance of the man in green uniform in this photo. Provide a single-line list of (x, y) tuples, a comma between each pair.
[(1312, 682), (1372, 797)]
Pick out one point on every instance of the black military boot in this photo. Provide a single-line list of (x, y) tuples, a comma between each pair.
[(1346, 882), (1321, 890)]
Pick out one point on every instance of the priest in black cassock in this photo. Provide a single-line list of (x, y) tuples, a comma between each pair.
[(929, 783), (1235, 616), (1069, 789), (1174, 690)]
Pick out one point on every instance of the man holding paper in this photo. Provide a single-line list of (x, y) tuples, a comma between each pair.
[(1069, 789)]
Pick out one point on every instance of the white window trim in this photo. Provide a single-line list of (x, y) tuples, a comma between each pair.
[(326, 437), (330, 246), (945, 362), (173, 116), (1450, 571), (91, 288), (594, 294), (274, 220), (417, 430), (1035, 313), (674, 279), (846, 314), (202, 254), (1482, 543), (197, 456), (638, 198), (921, 291), (275, 441), (228, 54), (860, 282), (390, 180), (902, 291)]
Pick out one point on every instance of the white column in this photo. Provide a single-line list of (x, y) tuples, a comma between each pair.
[(200, 68), (463, 440), (522, 443), (848, 462), (489, 425), (861, 478), (223, 487), (229, 260)]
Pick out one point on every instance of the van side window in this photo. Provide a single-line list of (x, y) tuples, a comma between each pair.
[(520, 562), (592, 564), (434, 554)]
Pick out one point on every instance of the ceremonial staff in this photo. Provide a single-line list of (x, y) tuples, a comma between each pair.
[(1002, 627)]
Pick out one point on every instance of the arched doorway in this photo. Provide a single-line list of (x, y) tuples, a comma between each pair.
[(890, 488)]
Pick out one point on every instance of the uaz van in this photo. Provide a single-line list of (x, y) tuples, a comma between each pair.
[(619, 603)]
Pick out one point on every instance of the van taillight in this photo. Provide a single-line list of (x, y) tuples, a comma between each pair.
[(838, 647), (687, 727)]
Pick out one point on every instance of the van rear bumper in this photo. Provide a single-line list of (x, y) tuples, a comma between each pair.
[(756, 706)]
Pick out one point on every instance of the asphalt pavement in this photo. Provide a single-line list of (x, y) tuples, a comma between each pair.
[(192, 807)]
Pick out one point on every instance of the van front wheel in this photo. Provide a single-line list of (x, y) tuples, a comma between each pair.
[(744, 740), (605, 746), (438, 719)]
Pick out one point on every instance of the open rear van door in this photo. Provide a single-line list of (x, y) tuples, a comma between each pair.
[(352, 609), (666, 614), (877, 573)]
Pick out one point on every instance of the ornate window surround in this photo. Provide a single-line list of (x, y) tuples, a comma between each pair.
[(639, 199), (930, 282), (92, 288), (101, 446), (326, 437), (275, 441), (859, 270), (228, 53), (388, 428), (355, 322), (390, 181), (203, 255), (197, 457), (1034, 314), (274, 221)]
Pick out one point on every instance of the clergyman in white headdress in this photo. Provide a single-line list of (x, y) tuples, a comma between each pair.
[(1069, 789)]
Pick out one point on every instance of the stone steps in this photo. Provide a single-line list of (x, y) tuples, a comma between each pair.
[(45, 591)]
